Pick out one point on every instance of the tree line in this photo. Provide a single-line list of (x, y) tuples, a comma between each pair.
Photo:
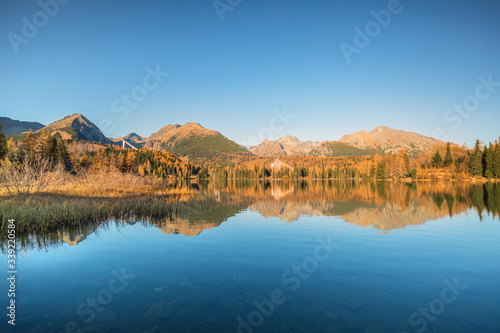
[(447, 161), (92, 157), (144, 162), (45, 147)]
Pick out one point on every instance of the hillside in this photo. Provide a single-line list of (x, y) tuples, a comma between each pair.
[(386, 140), (12, 126), (335, 148), (267, 148), (75, 126), (192, 142), (288, 145), (382, 140), (195, 143)]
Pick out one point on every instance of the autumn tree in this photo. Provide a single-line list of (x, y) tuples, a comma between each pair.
[(130, 162), (84, 161), (113, 163), (121, 163), (28, 144), (99, 161), (402, 164), (203, 174), (46, 147), (11, 151), (3, 144), (40, 144)]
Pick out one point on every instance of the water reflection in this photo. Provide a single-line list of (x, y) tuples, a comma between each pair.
[(382, 205)]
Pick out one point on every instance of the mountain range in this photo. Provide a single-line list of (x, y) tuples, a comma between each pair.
[(197, 144), (194, 142), (75, 126), (382, 140), (11, 126)]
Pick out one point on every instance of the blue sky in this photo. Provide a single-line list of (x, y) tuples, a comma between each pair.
[(232, 75)]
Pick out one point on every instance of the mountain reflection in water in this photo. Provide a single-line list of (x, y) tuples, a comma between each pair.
[(381, 205)]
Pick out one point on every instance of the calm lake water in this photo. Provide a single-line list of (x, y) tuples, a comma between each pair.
[(274, 257)]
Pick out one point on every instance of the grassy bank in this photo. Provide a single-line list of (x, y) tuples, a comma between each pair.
[(45, 201), (84, 183), (44, 212)]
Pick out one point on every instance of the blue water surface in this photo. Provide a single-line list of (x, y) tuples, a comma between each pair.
[(441, 275)]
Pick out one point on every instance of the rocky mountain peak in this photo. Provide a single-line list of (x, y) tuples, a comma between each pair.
[(288, 139), (76, 126), (381, 129), (193, 125)]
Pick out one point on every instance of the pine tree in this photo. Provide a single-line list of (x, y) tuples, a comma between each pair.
[(496, 161), (50, 150), (381, 170), (3, 144), (46, 147), (448, 158), (436, 160), (488, 161), (476, 160), (62, 155)]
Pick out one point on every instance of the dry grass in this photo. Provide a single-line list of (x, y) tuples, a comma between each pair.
[(84, 183), (43, 212), (112, 184), (41, 199), (30, 176)]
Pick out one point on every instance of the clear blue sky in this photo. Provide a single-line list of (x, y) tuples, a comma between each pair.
[(230, 75)]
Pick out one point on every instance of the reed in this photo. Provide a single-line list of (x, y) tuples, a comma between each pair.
[(43, 212)]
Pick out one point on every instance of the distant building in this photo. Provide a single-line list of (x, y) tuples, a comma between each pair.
[(279, 165)]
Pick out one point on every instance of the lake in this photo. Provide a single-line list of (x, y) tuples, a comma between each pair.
[(314, 256)]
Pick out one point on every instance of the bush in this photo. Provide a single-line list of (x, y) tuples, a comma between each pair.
[(30, 175)]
